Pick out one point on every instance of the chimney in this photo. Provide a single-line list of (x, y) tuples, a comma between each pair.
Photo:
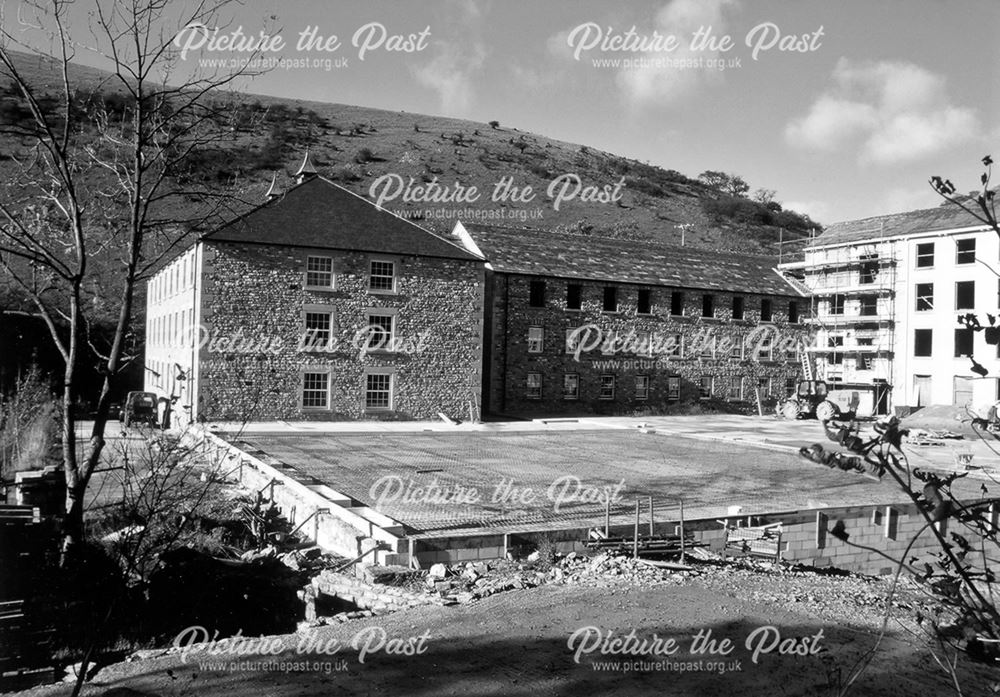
[(307, 170), (273, 191)]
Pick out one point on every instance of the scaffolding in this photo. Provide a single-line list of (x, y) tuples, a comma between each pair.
[(852, 292)]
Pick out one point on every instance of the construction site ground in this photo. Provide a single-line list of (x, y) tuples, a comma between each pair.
[(520, 643)]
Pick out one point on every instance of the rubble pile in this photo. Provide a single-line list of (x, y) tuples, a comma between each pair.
[(309, 559), (464, 583)]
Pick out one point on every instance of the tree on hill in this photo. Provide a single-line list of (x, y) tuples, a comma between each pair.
[(732, 184), (100, 202)]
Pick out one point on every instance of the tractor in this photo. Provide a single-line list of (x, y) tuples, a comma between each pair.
[(811, 400)]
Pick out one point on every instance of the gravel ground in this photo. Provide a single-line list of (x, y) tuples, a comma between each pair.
[(521, 642)]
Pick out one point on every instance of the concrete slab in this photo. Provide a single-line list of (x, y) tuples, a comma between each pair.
[(510, 478)]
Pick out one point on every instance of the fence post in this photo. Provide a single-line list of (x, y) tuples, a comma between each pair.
[(681, 502), (650, 516), (635, 533)]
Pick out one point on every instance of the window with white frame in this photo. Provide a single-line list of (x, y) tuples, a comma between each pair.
[(736, 350), (571, 386), (836, 305), (764, 385), (705, 384), (641, 387), (315, 390), (318, 329), (673, 345), (609, 343), (607, 387), (533, 386), (673, 388), (965, 251), (319, 272), (708, 347), (736, 389), (574, 337), (643, 343), (925, 297), (378, 391), (382, 276), (380, 331), (925, 255), (764, 349), (536, 337)]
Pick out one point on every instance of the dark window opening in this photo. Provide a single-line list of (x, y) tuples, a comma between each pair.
[(869, 269), (610, 299), (574, 296), (765, 310), (836, 342), (737, 307), (922, 342), (644, 304), (963, 342), (536, 294), (708, 306), (677, 303), (869, 305), (965, 295)]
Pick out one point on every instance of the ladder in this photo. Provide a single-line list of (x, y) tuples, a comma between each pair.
[(475, 416), (807, 367)]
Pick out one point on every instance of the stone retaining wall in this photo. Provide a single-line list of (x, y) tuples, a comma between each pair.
[(875, 532), (363, 595)]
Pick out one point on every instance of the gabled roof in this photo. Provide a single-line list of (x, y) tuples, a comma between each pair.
[(945, 217), (543, 253), (318, 213)]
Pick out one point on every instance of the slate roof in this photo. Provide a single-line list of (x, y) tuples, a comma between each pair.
[(947, 217), (318, 213), (543, 253)]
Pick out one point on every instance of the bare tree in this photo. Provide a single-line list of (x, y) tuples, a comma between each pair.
[(105, 190), (980, 205)]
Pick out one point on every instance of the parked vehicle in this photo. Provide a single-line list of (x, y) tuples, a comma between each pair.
[(817, 399), (809, 402), (139, 408)]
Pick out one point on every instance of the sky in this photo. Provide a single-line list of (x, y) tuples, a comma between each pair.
[(845, 108)]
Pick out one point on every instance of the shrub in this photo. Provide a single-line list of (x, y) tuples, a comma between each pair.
[(29, 425)]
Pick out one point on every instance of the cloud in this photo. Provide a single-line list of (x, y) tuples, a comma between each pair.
[(658, 85), (647, 85), (455, 69), (892, 111)]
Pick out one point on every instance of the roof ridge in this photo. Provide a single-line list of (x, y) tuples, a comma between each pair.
[(653, 243)]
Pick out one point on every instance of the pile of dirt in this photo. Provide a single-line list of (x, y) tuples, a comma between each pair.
[(941, 418)]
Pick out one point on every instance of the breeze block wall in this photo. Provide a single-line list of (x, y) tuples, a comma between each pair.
[(734, 377), (257, 295)]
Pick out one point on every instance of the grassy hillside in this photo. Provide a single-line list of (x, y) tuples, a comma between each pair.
[(356, 145)]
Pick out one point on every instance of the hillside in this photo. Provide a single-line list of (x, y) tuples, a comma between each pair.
[(356, 145)]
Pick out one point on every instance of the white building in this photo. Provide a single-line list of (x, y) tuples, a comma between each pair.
[(888, 294)]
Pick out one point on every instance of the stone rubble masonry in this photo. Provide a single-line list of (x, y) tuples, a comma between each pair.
[(257, 293), (864, 524), (510, 361), (366, 596)]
